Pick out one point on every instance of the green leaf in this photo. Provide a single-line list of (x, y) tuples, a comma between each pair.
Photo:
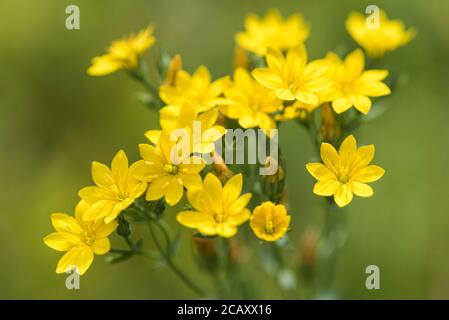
[(134, 215), (117, 256)]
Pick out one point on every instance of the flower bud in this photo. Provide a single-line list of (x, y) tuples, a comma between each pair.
[(330, 129), (240, 59), (308, 250), (207, 251), (174, 66)]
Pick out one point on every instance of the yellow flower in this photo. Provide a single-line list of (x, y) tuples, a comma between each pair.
[(250, 102), (79, 239), (353, 85), (218, 210), (390, 34), (168, 170), (272, 31), (197, 89), (201, 129), (270, 222), (115, 190), (345, 173), (297, 110), (291, 77), (122, 54)]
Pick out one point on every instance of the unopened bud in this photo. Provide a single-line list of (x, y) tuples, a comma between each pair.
[(174, 66), (240, 58), (330, 129), (308, 250)]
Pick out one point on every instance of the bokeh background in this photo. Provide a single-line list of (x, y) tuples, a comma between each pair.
[(54, 120)]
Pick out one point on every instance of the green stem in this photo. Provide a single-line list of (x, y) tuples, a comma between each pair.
[(167, 258)]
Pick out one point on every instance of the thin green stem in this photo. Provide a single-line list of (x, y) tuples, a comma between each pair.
[(167, 258)]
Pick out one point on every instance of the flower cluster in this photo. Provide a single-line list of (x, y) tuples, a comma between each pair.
[(274, 81)]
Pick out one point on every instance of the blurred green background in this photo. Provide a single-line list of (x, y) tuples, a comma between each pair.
[(54, 120)]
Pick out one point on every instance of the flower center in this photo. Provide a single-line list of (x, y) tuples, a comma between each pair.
[(269, 227), (169, 168), (219, 218), (343, 177), (89, 238)]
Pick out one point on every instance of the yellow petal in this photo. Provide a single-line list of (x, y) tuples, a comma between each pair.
[(284, 94), (156, 189), (239, 218), (101, 175), (65, 223), (119, 169), (361, 103), (101, 246), (343, 196), (326, 188), (347, 151), (174, 191), (153, 136), (275, 59), (361, 189), (341, 104), (103, 65), (225, 230), (267, 78), (189, 180), (329, 156), (307, 97), (193, 219), (373, 89), (369, 174), (61, 241), (81, 257), (355, 62), (103, 230), (233, 188), (239, 205)]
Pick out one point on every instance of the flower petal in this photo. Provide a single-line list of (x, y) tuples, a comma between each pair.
[(343, 196), (361, 189)]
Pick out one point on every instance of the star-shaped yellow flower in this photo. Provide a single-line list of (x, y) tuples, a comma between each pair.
[(250, 102), (345, 173), (272, 31), (270, 222), (201, 129), (217, 210), (79, 239), (168, 170), (122, 54), (291, 77), (196, 89), (353, 85), (387, 36), (116, 189)]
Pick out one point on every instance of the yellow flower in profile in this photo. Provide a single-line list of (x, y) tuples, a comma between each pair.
[(345, 173), (122, 54), (217, 210), (353, 85), (250, 102), (79, 239), (197, 89), (272, 31), (291, 77), (201, 129), (116, 189), (387, 36), (168, 170), (270, 222)]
